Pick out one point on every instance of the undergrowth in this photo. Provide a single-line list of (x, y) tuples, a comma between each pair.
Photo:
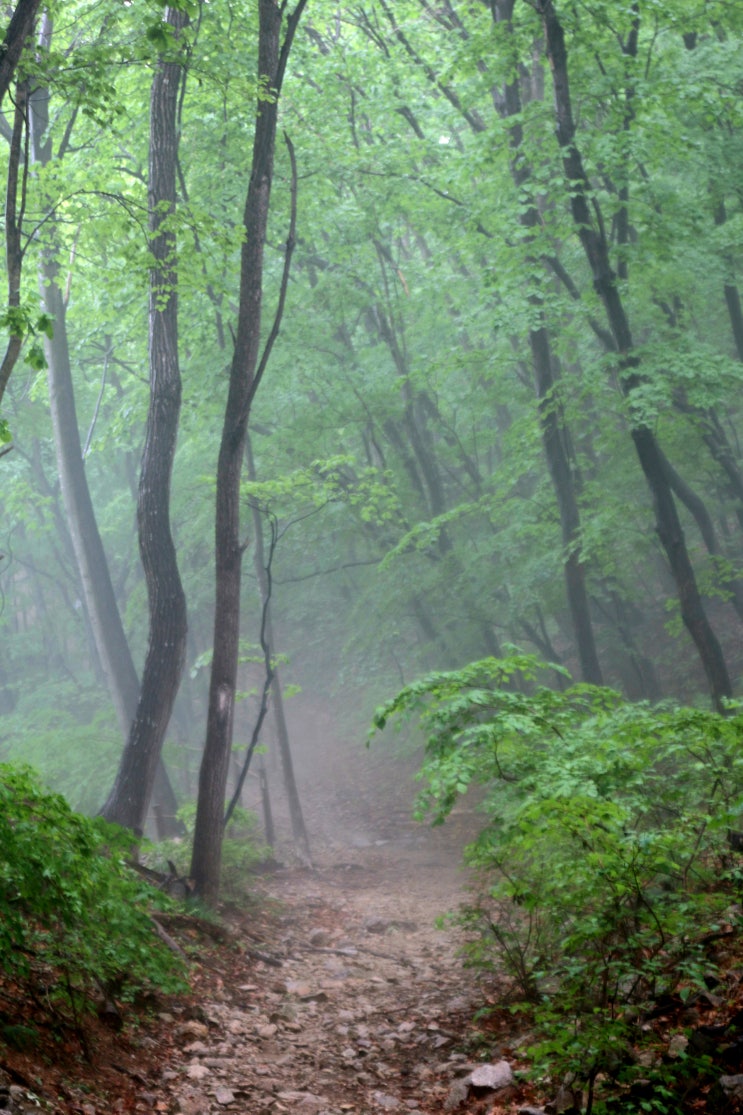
[(607, 867), (75, 920)]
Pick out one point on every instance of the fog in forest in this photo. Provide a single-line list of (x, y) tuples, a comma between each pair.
[(498, 412)]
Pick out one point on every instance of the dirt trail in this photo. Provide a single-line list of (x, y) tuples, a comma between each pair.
[(369, 1008)]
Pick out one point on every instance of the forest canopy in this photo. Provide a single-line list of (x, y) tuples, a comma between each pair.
[(491, 400)]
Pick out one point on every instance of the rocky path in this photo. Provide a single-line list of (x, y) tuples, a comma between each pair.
[(359, 1005)]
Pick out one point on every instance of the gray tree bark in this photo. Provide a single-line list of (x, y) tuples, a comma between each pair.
[(130, 795), (245, 375)]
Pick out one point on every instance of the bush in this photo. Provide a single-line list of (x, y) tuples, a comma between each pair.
[(604, 846), (71, 911)]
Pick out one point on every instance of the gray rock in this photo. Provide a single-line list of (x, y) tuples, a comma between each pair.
[(732, 1086), (456, 1095), (306, 1102), (677, 1046), (376, 925), (224, 1096), (385, 1101), (492, 1077)]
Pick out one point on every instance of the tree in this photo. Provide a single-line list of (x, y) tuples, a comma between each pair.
[(17, 34), (101, 606), (245, 376), (591, 232), (130, 796)]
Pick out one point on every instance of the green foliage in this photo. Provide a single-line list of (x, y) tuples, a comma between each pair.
[(70, 907), (68, 735), (604, 853), (23, 322)]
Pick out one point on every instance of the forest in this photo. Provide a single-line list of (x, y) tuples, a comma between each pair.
[(385, 358)]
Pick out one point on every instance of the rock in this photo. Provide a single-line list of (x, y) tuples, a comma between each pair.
[(224, 1096), (196, 1071), (306, 1102), (456, 1095), (268, 1031), (192, 1029), (305, 992), (376, 925), (528, 1110), (385, 1101), (492, 1077), (727, 1091), (677, 1045)]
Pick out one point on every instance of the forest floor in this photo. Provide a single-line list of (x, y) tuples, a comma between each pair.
[(334, 992)]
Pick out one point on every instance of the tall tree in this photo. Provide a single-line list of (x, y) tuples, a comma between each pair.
[(130, 796), (245, 376), (16, 36), (101, 606), (591, 231), (555, 436)]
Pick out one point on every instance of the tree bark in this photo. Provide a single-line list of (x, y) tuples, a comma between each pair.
[(596, 250), (244, 381), (130, 796), (13, 230), (551, 418), (16, 35), (299, 829), (90, 557)]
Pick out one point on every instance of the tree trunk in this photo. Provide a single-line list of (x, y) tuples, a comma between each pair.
[(551, 419), (13, 234), (299, 829), (18, 31), (130, 796), (90, 557), (244, 381), (648, 451)]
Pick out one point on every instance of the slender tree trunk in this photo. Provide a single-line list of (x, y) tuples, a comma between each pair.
[(100, 600), (299, 829), (731, 292), (130, 796), (551, 418), (244, 381), (648, 451), (16, 36), (14, 207)]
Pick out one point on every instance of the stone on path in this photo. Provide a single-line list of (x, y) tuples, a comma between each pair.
[(224, 1095), (385, 1101), (493, 1077)]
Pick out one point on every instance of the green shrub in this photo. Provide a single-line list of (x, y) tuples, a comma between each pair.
[(71, 910), (603, 850)]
